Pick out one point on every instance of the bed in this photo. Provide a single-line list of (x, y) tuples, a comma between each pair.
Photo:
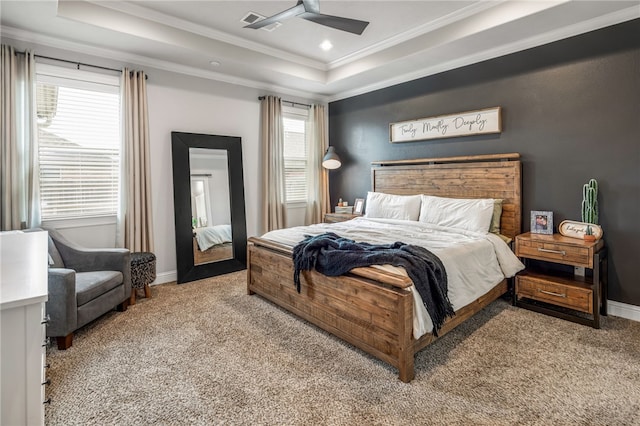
[(373, 308), (212, 243)]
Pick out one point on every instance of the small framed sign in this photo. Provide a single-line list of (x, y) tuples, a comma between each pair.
[(574, 229), (358, 206), (541, 222)]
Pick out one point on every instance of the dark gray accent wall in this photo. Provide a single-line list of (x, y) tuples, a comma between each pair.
[(570, 108)]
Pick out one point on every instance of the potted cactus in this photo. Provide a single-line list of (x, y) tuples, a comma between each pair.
[(590, 202), (590, 207), (588, 234)]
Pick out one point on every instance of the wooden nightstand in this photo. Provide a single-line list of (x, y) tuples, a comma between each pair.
[(576, 298), (338, 217)]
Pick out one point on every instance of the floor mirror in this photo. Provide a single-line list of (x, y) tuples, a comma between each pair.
[(208, 196)]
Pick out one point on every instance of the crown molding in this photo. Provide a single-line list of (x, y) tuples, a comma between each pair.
[(125, 58), (506, 49), (164, 19), (142, 12), (443, 21)]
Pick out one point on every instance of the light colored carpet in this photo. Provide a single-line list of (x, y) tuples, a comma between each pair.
[(205, 353)]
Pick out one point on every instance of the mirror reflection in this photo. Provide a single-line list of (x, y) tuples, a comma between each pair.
[(210, 205)]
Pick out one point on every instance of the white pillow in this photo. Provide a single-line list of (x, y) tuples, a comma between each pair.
[(388, 206), (469, 214)]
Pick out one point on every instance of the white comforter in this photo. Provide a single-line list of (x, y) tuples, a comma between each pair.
[(212, 236), (475, 262)]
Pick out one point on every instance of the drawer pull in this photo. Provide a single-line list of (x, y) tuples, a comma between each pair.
[(551, 293), (46, 382), (562, 252), (47, 401), (46, 320)]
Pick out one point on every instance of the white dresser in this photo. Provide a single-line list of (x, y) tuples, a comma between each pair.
[(23, 293)]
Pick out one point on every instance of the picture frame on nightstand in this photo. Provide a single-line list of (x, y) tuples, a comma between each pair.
[(358, 206), (541, 222)]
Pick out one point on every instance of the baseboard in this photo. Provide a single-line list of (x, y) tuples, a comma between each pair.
[(165, 277), (623, 310)]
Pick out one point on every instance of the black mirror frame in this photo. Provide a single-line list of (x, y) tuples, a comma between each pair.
[(180, 144)]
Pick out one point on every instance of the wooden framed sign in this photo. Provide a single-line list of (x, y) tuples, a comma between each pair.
[(574, 229), (478, 122)]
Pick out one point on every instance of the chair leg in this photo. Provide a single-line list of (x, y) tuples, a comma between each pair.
[(123, 306), (132, 298), (147, 291), (65, 342)]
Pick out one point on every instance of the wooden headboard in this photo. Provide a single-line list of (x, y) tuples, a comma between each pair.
[(476, 176)]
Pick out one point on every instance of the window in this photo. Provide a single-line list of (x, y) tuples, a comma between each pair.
[(79, 142), (295, 154)]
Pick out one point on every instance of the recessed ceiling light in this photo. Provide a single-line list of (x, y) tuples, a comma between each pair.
[(214, 63), (326, 45)]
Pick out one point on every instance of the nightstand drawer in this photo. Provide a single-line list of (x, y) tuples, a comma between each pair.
[(553, 290), (554, 252)]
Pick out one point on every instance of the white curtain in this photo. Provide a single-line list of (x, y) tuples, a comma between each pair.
[(19, 182), (273, 183), (135, 222), (317, 176)]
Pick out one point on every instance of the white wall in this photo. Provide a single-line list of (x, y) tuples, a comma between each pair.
[(215, 197), (177, 102), (177, 109), (92, 232), (195, 106)]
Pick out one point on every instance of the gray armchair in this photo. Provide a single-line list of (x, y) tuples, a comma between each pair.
[(84, 284)]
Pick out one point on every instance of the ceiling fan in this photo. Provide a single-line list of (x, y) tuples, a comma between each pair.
[(310, 10)]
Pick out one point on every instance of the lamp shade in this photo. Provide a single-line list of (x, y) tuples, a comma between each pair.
[(331, 159)]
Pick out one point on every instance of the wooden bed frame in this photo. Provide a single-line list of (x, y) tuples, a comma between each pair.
[(373, 309), (212, 254)]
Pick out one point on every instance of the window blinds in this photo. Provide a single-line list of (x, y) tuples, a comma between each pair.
[(79, 142), (295, 159)]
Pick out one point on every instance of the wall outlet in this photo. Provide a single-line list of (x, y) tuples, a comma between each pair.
[(578, 271)]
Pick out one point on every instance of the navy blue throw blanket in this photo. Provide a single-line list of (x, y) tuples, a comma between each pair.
[(333, 255)]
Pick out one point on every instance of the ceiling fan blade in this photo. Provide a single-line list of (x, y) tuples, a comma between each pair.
[(311, 5), (345, 24), (289, 13)]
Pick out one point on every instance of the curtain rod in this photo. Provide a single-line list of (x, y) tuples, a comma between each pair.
[(289, 102), (78, 64)]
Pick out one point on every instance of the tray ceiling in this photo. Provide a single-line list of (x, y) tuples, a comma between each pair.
[(404, 40)]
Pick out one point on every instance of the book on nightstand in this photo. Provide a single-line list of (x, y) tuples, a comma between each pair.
[(346, 209)]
